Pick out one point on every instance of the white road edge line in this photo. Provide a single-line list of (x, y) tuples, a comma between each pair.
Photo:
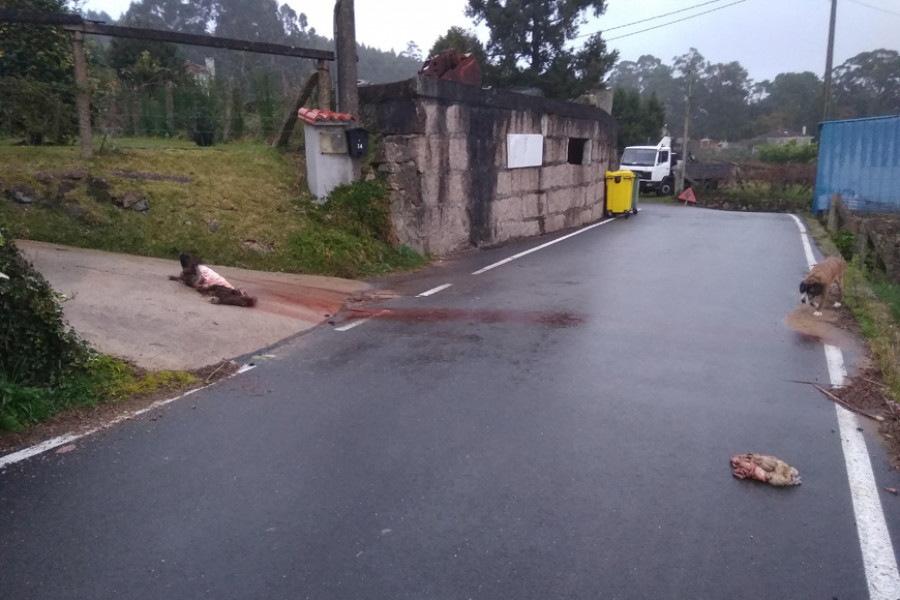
[(879, 560), (434, 290), (541, 247), (56, 442)]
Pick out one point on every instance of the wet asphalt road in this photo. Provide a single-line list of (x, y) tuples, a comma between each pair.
[(557, 427)]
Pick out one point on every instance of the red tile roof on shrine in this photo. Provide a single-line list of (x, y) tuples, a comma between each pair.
[(315, 116)]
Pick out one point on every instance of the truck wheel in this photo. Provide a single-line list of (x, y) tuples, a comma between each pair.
[(666, 187)]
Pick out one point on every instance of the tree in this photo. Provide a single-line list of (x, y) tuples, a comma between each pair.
[(720, 94), (649, 75), (592, 64), (868, 85), (184, 16), (142, 63), (254, 20), (528, 39), (725, 112), (640, 120), (790, 102), (412, 51), (463, 41), (37, 81)]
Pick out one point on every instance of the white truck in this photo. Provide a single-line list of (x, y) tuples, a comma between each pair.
[(653, 166)]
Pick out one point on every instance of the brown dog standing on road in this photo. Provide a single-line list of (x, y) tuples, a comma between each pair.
[(815, 287), (209, 283)]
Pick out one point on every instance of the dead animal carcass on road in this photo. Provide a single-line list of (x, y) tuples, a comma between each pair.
[(765, 468)]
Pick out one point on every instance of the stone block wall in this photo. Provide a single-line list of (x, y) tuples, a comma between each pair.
[(443, 154)]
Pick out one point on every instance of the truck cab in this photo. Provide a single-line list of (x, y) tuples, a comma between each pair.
[(654, 166)]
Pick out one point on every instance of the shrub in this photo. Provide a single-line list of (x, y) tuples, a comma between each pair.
[(361, 209), (36, 345), (42, 112), (45, 367), (844, 241), (352, 235), (789, 153)]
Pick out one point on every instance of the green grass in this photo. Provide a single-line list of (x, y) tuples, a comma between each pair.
[(240, 198), (879, 323), (889, 293), (101, 380), (876, 307)]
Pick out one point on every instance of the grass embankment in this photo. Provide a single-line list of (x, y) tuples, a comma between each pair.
[(876, 307), (243, 205), (239, 205), (875, 304)]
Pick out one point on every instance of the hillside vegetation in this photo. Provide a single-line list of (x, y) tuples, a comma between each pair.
[(243, 205)]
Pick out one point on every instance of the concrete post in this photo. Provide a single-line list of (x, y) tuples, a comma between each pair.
[(82, 96), (345, 46)]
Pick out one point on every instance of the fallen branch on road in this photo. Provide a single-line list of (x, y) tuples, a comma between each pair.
[(847, 406)]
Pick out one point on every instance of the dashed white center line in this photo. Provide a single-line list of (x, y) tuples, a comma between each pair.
[(434, 290), (351, 325), (541, 247), (879, 560)]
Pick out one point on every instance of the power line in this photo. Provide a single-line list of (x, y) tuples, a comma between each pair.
[(674, 12), (653, 19), (884, 10), (619, 37)]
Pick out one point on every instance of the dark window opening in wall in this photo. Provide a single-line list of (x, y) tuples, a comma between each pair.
[(579, 152)]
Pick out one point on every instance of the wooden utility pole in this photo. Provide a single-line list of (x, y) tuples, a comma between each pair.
[(345, 48), (82, 96), (829, 61), (679, 174)]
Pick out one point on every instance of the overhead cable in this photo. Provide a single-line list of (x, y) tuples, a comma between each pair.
[(674, 12), (884, 10), (619, 37)]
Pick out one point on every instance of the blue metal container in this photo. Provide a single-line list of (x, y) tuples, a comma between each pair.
[(860, 160)]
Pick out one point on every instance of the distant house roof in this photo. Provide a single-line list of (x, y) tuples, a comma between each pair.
[(314, 116)]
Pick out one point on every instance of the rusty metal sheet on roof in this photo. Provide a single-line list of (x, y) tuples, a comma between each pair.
[(451, 65), (314, 116), (860, 160)]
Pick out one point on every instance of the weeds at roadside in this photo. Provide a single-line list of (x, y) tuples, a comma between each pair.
[(102, 380), (876, 307), (878, 323)]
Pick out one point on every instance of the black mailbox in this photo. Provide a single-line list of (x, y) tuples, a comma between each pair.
[(357, 142)]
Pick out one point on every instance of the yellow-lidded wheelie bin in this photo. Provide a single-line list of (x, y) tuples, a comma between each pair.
[(621, 193)]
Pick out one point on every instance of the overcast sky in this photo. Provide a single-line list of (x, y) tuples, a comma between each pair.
[(766, 36)]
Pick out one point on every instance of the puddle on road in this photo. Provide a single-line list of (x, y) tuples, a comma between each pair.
[(835, 327)]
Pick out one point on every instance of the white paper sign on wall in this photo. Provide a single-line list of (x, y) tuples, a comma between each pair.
[(524, 150)]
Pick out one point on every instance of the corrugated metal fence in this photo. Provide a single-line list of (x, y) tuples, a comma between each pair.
[(860, 160)]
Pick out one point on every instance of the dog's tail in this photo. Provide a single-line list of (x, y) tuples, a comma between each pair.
[(247, 301)]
